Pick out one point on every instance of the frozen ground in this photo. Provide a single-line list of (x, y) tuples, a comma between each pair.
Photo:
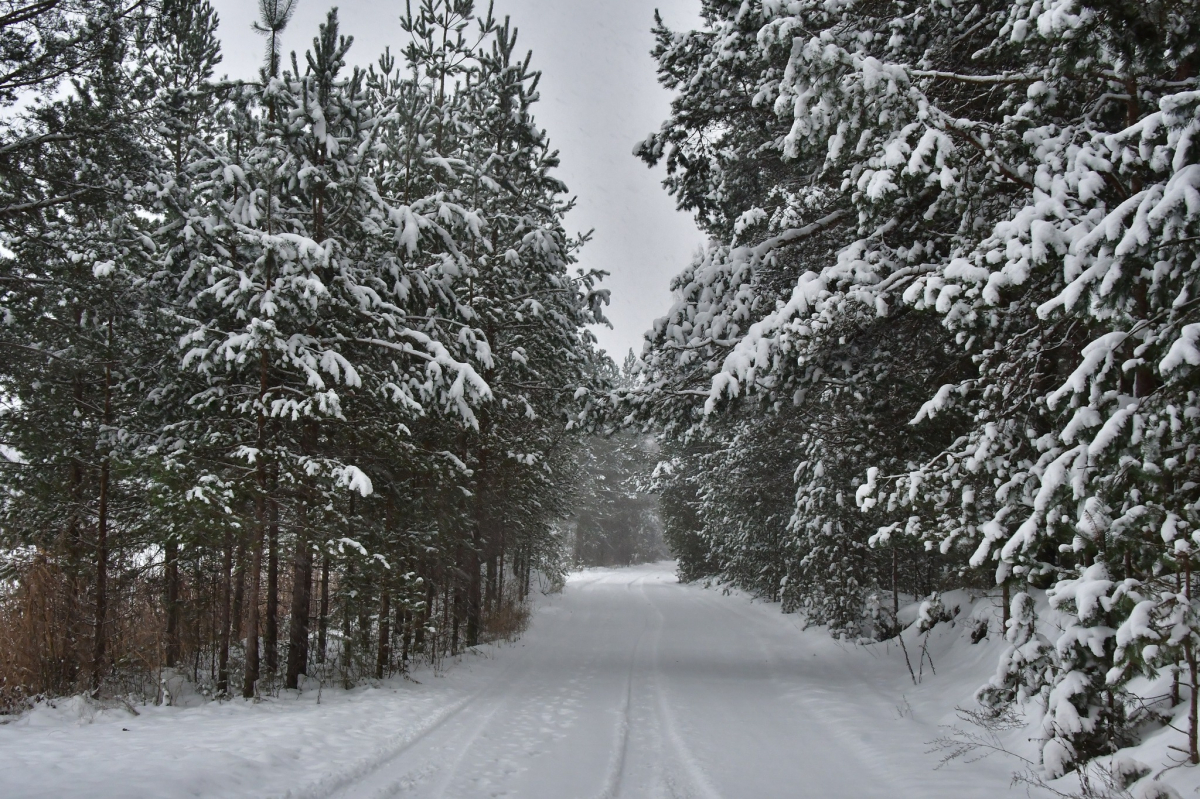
[(627, 685)]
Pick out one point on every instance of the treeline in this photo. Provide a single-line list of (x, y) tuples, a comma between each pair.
[(293, 370), (615, 519), (946, 333)]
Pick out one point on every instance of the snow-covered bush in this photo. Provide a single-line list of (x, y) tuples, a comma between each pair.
[(1027, 666)]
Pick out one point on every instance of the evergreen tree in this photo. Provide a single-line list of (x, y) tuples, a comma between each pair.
[(955, 238), (310, 352)]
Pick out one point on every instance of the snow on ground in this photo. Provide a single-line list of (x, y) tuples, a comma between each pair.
[(627, 684)]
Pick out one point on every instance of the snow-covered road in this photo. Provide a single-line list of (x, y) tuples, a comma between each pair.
[(627, 685), (631, 685)]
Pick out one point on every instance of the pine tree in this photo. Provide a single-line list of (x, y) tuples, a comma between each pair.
[(983, 207), (303, 354), (74, 314)]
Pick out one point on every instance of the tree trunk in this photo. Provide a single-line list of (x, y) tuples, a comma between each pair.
[(384, 656), (1006, 601), (348, 653), (1193, 722), (100, 642), (255, 594), (489, 603), (226, 618), (1189, 652), (424, 616), (323, 616), (239, 588), (895, 587), (171, 567), (406, 620), (271, 628), (1175, 672), (76, 613), (474, 597), (500, 575), (100, 639), (450, 614), (297, 663)]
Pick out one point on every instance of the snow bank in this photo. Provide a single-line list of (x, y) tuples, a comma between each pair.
[(298, 745)]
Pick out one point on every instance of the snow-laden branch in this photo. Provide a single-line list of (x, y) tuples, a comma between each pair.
[(979, 79), (760, 251)]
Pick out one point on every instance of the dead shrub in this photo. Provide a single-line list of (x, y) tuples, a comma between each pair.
[(40, 637), (506, 621)]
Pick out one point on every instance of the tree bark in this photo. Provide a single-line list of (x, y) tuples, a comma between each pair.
[(424, 616), (1189, 652), (489, 599), (301, 585), (405, 619), (99, 643), (474, 593), (1006, 601), (450, 614), (171, 567), (226, 617), (384, 656), (250, 678), (500, 575), (271, 628), (76, 613), (348, 653), (895, 587), (261, 501), (101, 634), (323, 616)]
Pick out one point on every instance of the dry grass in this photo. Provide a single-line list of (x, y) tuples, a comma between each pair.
[(40, 639), (47, 632), (46, 636), (507, 621)]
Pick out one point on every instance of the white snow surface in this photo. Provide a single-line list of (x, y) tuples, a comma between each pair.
[(627, 684)]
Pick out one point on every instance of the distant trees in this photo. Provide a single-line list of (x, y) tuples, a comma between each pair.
[(295, 370), (615, 519), (614, 513), (944, 334)]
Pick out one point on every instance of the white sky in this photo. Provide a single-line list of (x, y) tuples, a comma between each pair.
[(599, 97)]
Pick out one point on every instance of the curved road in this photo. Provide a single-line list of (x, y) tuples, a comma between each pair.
[(631, 685)]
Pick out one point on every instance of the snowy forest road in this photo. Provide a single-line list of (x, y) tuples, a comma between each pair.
[(631, 685), (627, 685)]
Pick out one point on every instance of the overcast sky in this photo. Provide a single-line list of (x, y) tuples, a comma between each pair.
[(599, 97)]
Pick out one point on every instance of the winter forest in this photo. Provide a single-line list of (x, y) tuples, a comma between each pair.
[(305, 427)]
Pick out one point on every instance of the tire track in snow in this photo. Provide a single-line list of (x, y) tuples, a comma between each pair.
[(509, 692), (697, 785), (870, 757), (339, 784), (616, 766), (465, 746), (343, 783), (513, 692), (443, 746)]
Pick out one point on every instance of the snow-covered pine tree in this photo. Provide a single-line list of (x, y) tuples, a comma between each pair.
[(308, 261), (778, 321), (264, 329), (1076, 305), (73, 333), (530, 310), (1017, 175), (182, 54)]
